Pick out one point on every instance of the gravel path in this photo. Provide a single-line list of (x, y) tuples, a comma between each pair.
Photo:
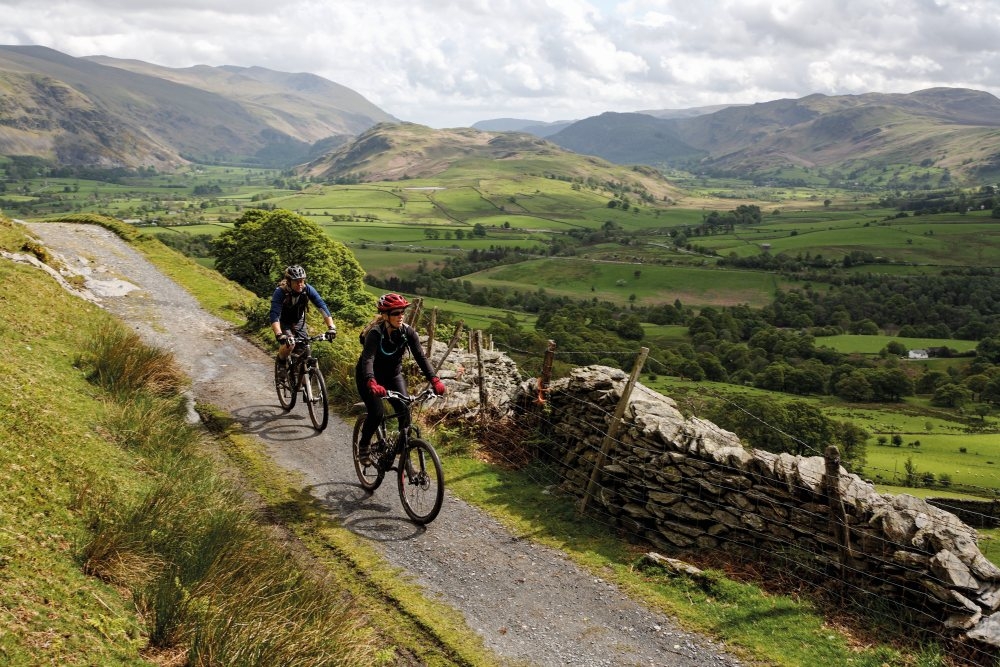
[(530, 604)]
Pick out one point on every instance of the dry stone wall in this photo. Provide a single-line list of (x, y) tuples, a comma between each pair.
[(683, 483)]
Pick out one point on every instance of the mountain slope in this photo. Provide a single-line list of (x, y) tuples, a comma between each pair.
[(304, 106), (396, 151), (78, 111), (948, 128), (627, 138)]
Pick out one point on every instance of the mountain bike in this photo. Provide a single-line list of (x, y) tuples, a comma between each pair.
[(303, 376), (418, 472)]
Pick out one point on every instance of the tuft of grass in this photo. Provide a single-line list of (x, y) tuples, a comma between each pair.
[(204, 573), (121, 364)]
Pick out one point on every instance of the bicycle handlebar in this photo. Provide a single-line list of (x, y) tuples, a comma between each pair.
[(422, 395), (310, 339)]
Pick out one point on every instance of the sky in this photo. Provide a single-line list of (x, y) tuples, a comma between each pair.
[(446, 63)]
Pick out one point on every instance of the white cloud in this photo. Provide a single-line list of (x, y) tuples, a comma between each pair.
[(449, 62)]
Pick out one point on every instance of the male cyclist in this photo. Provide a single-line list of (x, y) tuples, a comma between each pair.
[(288, 310), (384, 342)]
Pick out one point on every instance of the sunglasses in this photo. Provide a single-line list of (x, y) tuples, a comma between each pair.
[(396, 313)]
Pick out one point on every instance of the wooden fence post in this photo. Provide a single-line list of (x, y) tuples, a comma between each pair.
[(451, 346), (613, 427), (478, 345), (430, 331), (414, 313), (546, 375), (838, 515)]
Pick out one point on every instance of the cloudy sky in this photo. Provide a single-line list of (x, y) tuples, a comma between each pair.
[(448, 63)]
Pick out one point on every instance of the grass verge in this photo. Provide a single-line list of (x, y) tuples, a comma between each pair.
[(760, 626)]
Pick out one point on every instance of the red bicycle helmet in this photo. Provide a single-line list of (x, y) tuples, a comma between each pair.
[(391, 301)]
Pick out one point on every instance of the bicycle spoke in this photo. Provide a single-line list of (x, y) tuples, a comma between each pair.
[(421, 482), (283, 383), (369, 475), (319, 408)]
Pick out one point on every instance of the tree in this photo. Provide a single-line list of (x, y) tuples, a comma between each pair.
[(261, 244), (896, 348), (951, 396), (912, 474), (855, 388)]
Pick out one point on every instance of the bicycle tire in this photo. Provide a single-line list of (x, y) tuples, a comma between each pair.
[(286, 395), (421, 481), (319, 406), (370, 476)]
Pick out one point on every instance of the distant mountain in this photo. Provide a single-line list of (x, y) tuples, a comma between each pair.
[(535, 127), (951, 130), (628, 138), (402, 151), (543, 130), (123, 113), (690, 112)]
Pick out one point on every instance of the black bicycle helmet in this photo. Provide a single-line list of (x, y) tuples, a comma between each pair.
[(295, 272)]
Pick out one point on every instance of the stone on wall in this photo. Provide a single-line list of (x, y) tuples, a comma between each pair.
[(684, 483)]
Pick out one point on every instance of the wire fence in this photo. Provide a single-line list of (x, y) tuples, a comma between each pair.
[(802, 520)]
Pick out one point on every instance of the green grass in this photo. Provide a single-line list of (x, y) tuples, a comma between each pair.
[(119, 488), (856, 344), (53, 460), (767, 628), (617, 282)]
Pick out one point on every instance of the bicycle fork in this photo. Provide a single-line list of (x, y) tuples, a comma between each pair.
[(305, 381)]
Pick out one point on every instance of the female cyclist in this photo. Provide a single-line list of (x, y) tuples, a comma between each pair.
[(385, 341)]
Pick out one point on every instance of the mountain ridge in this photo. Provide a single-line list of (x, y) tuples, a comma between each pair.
[(952, 130), (86, 111), (109, 112)]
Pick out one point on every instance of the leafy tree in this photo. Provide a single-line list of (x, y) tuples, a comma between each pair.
[(262, 243), (896, 348), (855, 388), (912, 477), (852, 440), (951, 396)]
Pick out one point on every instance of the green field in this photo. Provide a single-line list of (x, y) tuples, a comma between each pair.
[(857, 344), (617, 282)]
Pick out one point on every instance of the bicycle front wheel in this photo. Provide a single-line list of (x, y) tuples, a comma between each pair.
[(370, 475), (421, 481), (283, 385), (319, 407)]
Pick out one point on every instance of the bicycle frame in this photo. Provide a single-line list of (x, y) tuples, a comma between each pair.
[(303, 375), (420, 478)]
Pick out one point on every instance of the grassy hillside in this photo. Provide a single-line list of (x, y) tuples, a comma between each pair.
[(869, 139), (106, 490), (56, 461)]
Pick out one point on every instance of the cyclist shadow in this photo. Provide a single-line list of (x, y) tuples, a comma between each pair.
[(367, 514), (270, 422)]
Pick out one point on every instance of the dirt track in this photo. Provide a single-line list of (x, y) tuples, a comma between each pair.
[(530, 604)]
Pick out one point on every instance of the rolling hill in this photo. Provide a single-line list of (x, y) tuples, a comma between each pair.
[(402, 151)]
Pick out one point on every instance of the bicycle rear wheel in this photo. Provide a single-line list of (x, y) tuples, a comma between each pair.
[(369, 475), (283, 385), (421, 481), (316, 400)]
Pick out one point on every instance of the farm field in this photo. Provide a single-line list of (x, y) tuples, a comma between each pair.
[(941, 438), (853, 343), (619, 282)]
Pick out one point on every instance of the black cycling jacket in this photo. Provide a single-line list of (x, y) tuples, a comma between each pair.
[(382, 354)]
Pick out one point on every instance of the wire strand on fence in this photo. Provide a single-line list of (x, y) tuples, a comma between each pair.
[(803, 569)]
